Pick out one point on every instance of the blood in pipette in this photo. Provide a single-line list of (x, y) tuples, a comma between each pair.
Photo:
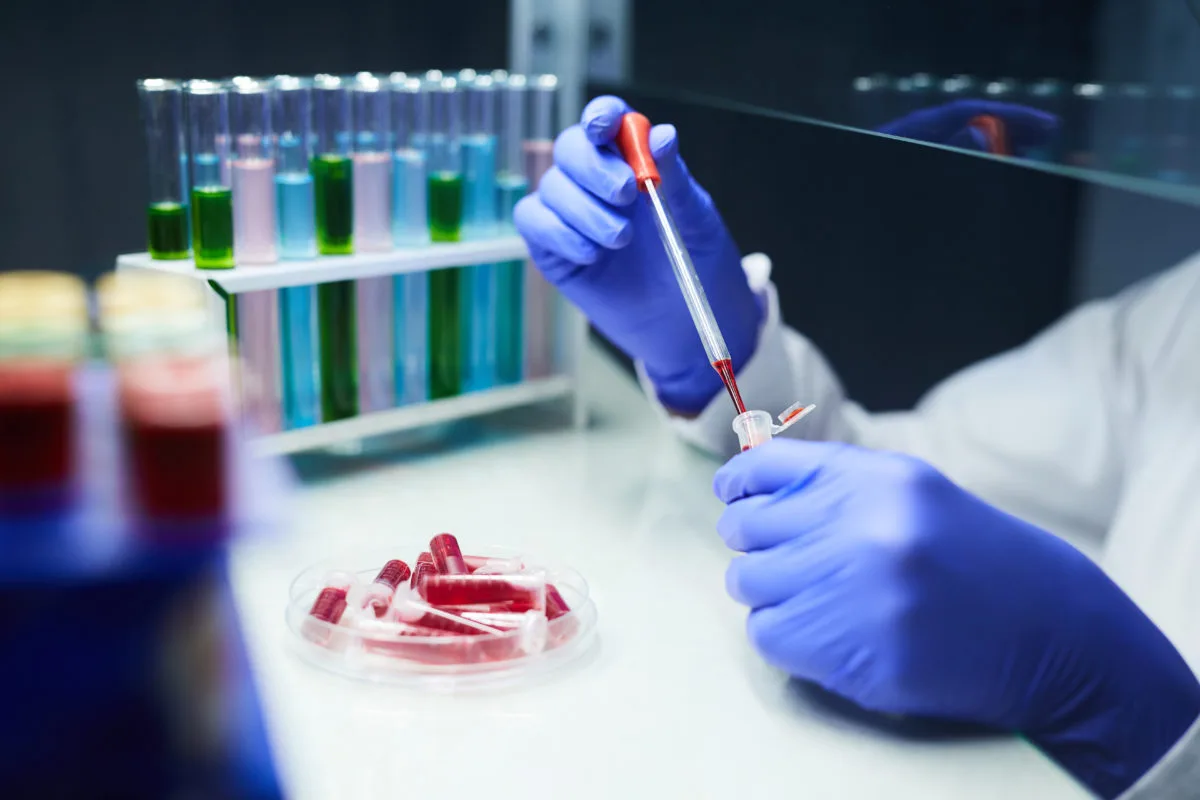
[(724, 368)]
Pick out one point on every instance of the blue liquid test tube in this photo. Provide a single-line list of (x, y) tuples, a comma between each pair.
[(292, 115), (410, 228), (511, 186), (480, 220)]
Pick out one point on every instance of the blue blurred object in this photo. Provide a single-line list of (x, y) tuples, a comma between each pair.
[(874, 576), (592, 236), (1028, 130), (122, 669)]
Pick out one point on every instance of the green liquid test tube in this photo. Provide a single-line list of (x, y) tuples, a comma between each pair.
[(333, 190), (167, 231), (338, 348), (212, 223), (447, 334), (448, 319), (167, 214), (212, 197)]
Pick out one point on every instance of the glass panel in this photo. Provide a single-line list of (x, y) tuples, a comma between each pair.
[(1100, 90)]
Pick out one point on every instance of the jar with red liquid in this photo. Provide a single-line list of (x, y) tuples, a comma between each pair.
[(174, 396), (43, 335)]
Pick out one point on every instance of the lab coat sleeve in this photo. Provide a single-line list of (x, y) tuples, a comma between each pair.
[(1038, 431), (1176, 775)]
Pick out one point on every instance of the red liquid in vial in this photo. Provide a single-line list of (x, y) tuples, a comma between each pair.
[(329, 605), (447, 555), (175, 421), (36, 424), (556, 606), (521, 593), (423, 568), (724, 368), (393, 574)]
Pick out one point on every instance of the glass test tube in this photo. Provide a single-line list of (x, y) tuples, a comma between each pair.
[(511, 186), (254, 242), (480, 204), (253, 172), (447, 336), (538, 149), (410, 228), (291, 117), (43, 332), (212, 197), (333, 192), (373, 233), (167, 214)]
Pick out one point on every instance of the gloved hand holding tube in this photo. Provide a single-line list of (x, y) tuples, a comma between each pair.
[(592, 236), (874, 576)]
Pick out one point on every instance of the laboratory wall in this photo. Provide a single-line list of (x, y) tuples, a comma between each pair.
[(71, 146)]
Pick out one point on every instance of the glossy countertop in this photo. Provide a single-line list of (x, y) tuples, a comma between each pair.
[(670, 702)]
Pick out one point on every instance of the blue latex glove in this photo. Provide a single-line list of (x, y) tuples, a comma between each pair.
[(592, 235), (1028, 128), (876, 577)]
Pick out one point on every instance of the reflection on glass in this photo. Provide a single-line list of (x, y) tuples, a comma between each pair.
[(1128, 128)]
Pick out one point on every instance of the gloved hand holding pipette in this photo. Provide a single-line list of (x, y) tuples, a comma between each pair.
[(593, 236), (876, 577)]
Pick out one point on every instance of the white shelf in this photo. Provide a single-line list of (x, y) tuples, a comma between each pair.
[(338, 268), (414, 416)]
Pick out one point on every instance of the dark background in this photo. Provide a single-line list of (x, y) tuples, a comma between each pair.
[(902, 262)]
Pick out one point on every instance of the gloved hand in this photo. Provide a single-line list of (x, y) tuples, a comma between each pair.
[(591, 234), (1027, 128), (876, 577)]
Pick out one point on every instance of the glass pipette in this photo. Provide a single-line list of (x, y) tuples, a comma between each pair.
[(633, 140)]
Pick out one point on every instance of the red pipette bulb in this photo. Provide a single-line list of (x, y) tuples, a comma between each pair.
[(633, 140)]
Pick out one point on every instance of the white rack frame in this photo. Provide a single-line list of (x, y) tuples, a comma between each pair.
[(565, 387)]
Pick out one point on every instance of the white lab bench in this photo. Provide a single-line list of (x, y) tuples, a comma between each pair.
[(671, 702)]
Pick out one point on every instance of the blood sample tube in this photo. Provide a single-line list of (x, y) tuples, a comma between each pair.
[(384, 586), (447, 556), (423, 568), (43, 330), (167, 215), (212, 196), (521, 592), (327, 611), (415, 612), (556, 606)]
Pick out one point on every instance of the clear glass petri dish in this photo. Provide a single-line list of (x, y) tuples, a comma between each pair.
[(364, 648)]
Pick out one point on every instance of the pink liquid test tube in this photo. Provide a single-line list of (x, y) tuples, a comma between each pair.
[(252, 172), (447, 555), (372, 202), (375, 305), (258, 337), (423, 568), (494, 564), (254, 211), (519, 592), (326, 610)]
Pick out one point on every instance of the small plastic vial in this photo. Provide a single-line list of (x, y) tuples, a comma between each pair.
[(379, 592), (520, 592), (447, 555), (755, 428)]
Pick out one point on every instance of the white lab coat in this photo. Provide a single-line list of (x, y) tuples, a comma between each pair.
[(1091, 430)]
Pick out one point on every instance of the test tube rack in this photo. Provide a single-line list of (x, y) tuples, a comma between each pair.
[(563, 385)]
